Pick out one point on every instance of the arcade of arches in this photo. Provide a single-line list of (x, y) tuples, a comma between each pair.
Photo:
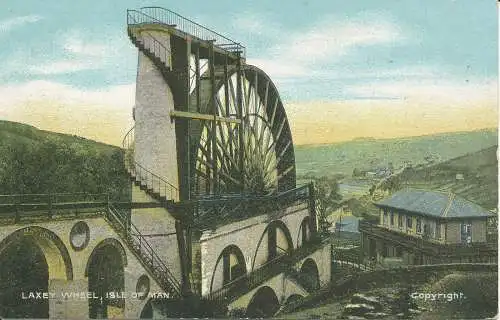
[(34, 259)]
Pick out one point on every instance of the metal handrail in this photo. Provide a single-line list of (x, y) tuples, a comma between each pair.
[(249, 280), (186, 25), (145, 176), (302, 191), (154, 182), (128, 139), (135, 17), (265, 271), (140, 243)]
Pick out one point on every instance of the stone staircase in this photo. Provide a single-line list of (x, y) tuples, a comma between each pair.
[(154, 185), (143, 251)]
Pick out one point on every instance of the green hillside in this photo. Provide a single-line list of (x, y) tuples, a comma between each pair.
[(473, 176), (37, 161), (366, 154)]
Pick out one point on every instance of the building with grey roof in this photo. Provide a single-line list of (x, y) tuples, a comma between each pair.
[(425, 227)]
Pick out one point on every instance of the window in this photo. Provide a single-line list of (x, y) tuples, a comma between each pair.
[(438, 230), (392, 219), (400, 221), (384, 221), (409, 223), (419, 225)]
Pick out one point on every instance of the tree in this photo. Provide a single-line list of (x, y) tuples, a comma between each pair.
[(327, 197)]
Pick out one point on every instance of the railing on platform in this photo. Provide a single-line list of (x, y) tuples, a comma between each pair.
[(149, 42), (212, 210), (417, 242), (53, 198), (299, 193), (17, 207), (144, 176), (168, 17), (143, 249)]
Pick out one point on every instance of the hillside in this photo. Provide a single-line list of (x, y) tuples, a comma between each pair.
[(37, 161), (343, 158), (473, 176)]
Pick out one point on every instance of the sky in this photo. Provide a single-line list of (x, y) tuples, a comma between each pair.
[(344, 69)]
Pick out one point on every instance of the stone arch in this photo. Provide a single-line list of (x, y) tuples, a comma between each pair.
[(309, 275), (147, 311), (107, 242), (229, 266), (105, 271), (293, 298), (30, 259), (264, 303), (304, 233), (55, 252), (274, 242)]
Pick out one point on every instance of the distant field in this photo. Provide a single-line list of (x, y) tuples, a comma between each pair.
[(342, 158)]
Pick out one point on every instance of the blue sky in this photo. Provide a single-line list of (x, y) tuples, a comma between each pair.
[(326, 51)]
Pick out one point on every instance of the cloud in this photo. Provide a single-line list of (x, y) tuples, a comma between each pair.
[(62, 67), (306, 53), (9, 24), (249, 22), (72, 51), (115, 96), (77, 45), (261, 25), (279, 70), (430, 90), (104, 115), (332, 38)]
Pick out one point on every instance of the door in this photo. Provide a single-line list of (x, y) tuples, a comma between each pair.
[(466, 232)]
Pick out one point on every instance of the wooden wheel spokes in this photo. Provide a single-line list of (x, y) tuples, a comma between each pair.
[(253, 156)]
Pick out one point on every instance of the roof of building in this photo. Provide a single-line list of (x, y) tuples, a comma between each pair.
[(434, 203), (348, 224)]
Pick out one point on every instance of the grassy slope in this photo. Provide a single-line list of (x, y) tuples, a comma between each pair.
[(479, 170), (36, 161), (326, 160)]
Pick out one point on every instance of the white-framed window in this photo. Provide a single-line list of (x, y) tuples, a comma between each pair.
[(419, 225), (437, 234)]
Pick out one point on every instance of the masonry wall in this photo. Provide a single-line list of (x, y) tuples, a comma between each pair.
[(155, 140), (282, 286), (452, 232), (431, 222), (158, 227), (479, 230), (249, 237), (99, 231), (322, 258)]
